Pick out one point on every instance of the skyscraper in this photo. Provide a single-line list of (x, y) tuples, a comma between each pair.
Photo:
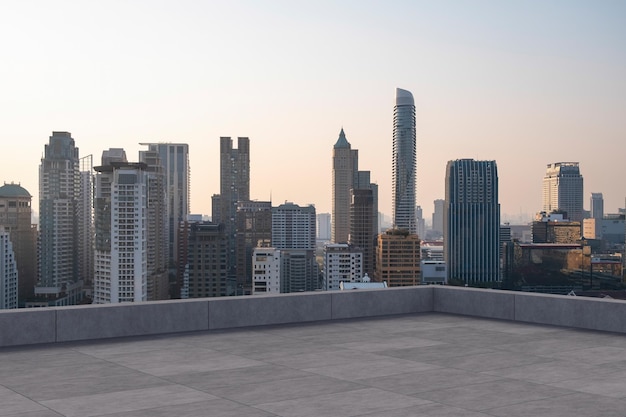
[(362, 223), (15, 217), (175, 160), (472, 221), (404, 162), (345, 169), (563, 190), (120, 201), (254, 224), (293, 233), (438, 216), (59, 196), (84, 222), (207, 260), (597, 206), (8, 272), (234, 187), (157, 228)]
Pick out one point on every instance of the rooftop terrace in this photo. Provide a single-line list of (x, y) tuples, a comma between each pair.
[(454, 358)]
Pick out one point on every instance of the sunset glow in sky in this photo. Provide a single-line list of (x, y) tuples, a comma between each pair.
[(525, 83)]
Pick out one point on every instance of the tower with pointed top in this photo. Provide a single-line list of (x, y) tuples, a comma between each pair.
[(345, 171), (404, 162)]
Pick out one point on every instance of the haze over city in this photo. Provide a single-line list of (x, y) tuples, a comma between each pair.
[(524, 83)]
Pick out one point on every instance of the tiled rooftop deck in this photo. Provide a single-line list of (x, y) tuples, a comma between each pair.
[(427, 364)]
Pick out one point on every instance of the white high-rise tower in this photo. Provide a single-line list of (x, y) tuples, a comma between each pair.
[(404, 162)]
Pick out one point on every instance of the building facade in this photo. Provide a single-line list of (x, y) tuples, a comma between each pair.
[(597, 206), (207, 260), (16, 218), (342, 263), (472, 221), (234, 187), (563, 190), (345, 168), (58, 280), (254, 225), (121, 224), (8, 272), (398, 258), (404, 162), (363, 235), (175, 161), (293, 233), (84, 222), (158, 230), (266, 267)]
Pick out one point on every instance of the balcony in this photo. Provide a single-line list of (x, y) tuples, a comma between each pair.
[(426, 351)]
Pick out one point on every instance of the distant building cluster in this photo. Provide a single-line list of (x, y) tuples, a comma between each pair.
[(121, 230)]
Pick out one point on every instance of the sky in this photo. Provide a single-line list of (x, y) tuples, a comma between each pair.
[(524, 83)]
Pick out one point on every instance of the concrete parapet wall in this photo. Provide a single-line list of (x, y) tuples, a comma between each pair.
[(493, 304), (61, 324), (370, 303)]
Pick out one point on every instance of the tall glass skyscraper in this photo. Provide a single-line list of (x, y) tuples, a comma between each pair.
[(472, 221), (404, 162)]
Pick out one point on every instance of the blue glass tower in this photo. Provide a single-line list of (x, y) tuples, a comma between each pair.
[(472, 221)]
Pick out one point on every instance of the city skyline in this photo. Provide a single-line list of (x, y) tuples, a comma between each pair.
[(523, 84)]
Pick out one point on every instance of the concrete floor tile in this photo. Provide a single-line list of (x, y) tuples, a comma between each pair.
[(428, 410), (550, 372), (12, 403), (574, 405), (285, 389), (611, 385), (487, 395), (236, 377), (345, 404), (381, 366), (430, 380), (488, 361), (125, 401), (218, 408)]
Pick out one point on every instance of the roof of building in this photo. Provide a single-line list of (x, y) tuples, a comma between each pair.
[(421, 364), (342, 142), (13, 190)]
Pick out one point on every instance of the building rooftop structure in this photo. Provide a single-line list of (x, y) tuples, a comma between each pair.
[(429, 363)]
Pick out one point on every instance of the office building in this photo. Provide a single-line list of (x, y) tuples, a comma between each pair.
[(345, 168), (234, 187), (175, 161), (404, 162), (16, 218), (363, 235), (84, 223), (342, 263), (398, 258), (554, 228), (254, 225), (323, 227), (157, 228), (438, 216), (8, 272), (597, 206), (472, 221), (420, 222), (266, 266), (293, 233), (563, 190), (58, 280), (121, 224), (207, 260)]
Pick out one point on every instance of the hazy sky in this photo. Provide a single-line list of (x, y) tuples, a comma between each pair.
[(525, 83)]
